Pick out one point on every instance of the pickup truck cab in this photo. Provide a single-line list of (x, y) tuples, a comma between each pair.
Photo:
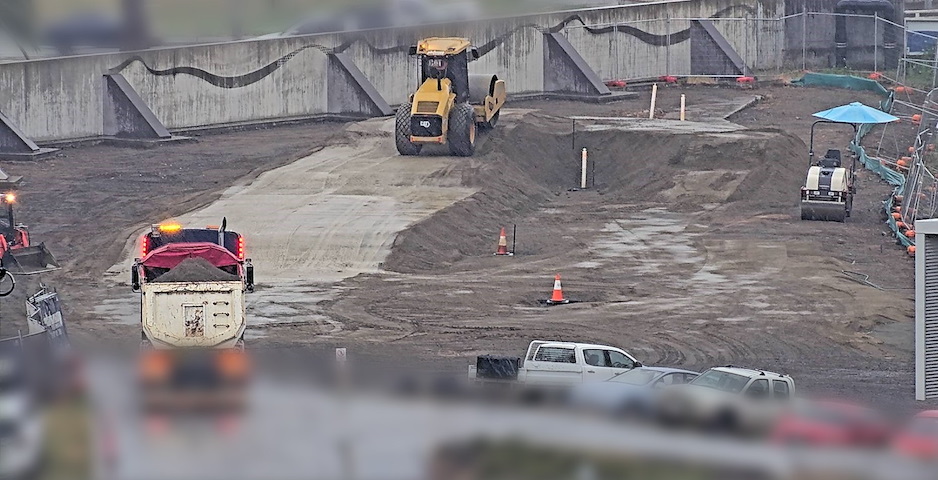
[(550, 363)]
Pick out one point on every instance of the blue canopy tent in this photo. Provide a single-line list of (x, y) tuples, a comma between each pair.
[(854, 114)]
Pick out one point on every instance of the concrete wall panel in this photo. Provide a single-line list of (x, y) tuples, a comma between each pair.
[(260, 80), (55, 99), (249, 81)]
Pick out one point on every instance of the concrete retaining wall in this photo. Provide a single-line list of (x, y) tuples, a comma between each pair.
[(61, 99)]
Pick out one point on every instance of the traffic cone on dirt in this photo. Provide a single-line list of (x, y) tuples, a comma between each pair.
[(503, 244), (556, 297)]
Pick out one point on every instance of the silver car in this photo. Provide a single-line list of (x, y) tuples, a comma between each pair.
[(632, 392)]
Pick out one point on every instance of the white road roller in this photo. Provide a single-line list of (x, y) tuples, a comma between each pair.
[(828, 190), (829, 187)]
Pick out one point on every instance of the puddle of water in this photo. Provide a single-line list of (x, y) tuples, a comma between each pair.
[(650, 239), (787, 312), (122, 311), (292, 304), (252, 334), (696, 274), (707, 275)]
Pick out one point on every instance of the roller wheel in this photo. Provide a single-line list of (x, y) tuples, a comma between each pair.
[(402, 132), (462, 130), (492, 121)]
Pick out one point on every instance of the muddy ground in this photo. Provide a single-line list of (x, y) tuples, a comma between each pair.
[(86, 201), (688, 251)]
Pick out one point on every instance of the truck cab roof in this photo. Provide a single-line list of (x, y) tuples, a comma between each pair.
[(537, 344), (161, 235), (572, 344), (438, 46), (540, 343)]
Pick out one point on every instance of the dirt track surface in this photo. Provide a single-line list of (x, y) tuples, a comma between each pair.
[(86, 202), (689, 250)]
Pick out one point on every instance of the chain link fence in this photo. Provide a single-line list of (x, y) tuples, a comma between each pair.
[(920, 193)]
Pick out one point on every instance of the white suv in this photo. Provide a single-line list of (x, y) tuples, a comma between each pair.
[(728, 398)]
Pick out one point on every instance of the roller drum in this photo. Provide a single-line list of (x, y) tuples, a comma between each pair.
[(481, 86), (834, 212)]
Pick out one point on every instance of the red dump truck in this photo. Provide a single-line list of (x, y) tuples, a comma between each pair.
[(192, 283)]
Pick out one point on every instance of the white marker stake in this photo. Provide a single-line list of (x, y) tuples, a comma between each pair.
[(654, 95), (583, 169), (682, 107)]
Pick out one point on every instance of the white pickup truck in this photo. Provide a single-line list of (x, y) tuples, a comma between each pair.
[(728, 398), (549, 363)]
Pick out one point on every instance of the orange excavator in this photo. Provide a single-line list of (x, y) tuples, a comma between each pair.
[(17, 253)]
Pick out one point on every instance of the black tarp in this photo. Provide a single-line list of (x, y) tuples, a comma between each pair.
[(497, 367)]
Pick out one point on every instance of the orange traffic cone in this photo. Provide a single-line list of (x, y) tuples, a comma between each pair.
[(503, 244), (557, 297)]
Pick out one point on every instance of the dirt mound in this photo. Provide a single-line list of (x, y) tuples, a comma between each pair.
[(756, 168), (196, 270), (529, 165), (512, 184)]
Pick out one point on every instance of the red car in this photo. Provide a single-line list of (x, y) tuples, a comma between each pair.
[(832, 424), (920, 437)]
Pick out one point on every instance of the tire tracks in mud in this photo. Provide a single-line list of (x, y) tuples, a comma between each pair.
[(745, 292)]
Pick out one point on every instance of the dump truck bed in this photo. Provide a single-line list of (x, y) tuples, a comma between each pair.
[(208, 314)]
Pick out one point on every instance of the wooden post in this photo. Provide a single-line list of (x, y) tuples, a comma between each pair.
[(583, 169), (654, 96)]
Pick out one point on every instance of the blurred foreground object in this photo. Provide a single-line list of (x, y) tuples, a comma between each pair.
[(18, 25), (83, 30), (831, 424), (728, 399), (919, 439), (21, 430), (385, 14), (631, 393)]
